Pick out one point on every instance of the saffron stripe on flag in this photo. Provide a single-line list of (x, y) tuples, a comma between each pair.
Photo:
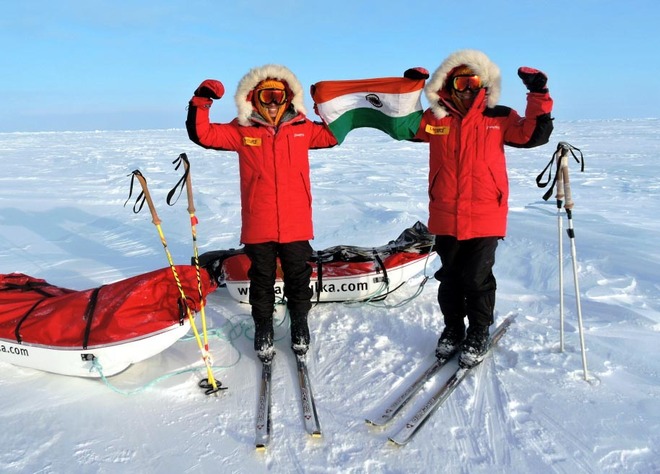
[(324, 91)]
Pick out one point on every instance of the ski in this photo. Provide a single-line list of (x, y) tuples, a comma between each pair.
[(402, 400), (263, 422), (415, 422), (310, 416)]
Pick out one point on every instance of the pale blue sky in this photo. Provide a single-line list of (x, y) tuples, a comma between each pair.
[(106, 65)]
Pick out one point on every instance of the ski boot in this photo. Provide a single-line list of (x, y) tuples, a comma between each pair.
[(263, 338), (299, 333), (475, 346), (450, 340)]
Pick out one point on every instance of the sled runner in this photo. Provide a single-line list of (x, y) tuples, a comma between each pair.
[(340, 273), (104, 329)]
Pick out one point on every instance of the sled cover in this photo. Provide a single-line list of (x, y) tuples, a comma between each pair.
[(34, 311)]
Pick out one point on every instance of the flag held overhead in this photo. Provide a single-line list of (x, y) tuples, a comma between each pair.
[(390, 104)]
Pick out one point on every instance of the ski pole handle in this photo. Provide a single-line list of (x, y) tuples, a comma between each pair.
[(560, 181), (567, 189), (562, 174), (147, 196), (185, 181), (563, 181), (189, 194)]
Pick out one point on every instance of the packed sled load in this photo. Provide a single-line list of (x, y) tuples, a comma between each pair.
[(100, 330), (340, 273)]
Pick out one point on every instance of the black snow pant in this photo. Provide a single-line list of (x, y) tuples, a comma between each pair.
[(294, 257), (467, 284)]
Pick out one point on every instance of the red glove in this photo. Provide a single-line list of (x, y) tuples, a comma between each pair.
[(211, 89), (416, 73), (533, 79)]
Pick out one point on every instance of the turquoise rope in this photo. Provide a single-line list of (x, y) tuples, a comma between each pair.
[(378, 304), (243, 329), (96, 366), (236, 330)]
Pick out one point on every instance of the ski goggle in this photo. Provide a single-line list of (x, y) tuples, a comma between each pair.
[(271, 96), (463, 83)]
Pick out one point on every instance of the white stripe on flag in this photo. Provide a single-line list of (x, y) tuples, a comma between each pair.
[(393, 105)]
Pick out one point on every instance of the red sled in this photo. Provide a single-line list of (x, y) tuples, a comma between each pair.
[(340, 273), (100, 330)]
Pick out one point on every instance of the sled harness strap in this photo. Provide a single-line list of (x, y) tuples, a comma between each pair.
[(89, 314), (17, 331), (381, 266), (319, 276), (37, 287)]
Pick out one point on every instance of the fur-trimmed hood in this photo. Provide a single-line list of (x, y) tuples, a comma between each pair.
[(479, 63), (255, 76)]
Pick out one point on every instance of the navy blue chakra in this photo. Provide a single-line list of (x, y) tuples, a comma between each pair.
[(374, 100)]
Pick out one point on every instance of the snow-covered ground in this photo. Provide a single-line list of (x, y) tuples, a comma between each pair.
[(526, 408)]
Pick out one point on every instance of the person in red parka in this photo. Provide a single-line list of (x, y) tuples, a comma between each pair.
[(272, 137), (468, 186)]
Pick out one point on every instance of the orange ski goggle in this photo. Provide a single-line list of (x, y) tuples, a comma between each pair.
[(270, 96), (463, 83)]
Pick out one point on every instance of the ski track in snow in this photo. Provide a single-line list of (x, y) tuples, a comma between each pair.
[(525, 409)]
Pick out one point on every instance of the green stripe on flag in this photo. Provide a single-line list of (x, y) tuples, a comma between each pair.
[(399, 128)]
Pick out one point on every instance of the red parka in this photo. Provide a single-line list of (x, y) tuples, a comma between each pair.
[(276, 196), (468, 182)]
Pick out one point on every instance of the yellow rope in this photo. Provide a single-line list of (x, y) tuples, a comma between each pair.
[(156, 221), (205, 351), (193, 228)]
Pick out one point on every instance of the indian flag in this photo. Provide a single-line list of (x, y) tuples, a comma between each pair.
[(390, 104)]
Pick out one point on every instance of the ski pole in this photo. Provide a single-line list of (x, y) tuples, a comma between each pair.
[(186, 180), (560, 238), (565, 199), (146, 196), (568, 206)]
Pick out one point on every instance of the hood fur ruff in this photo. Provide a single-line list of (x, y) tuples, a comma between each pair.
[(254, 77), (479, 63)]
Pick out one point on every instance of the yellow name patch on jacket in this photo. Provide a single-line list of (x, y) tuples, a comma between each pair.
[(249, 141), (431, 130)]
